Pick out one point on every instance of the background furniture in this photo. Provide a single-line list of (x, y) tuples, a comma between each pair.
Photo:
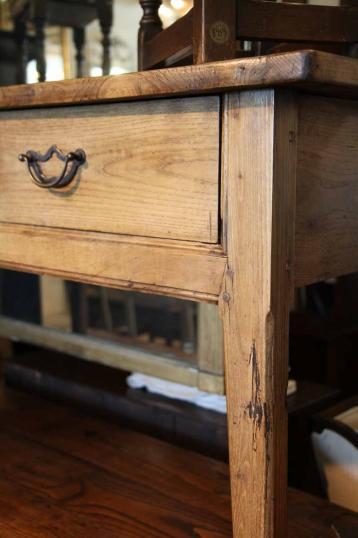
[(9, 61), (74, 13), (103, 390), (335, 443), (63, 469), (257, 164), (217, 30)]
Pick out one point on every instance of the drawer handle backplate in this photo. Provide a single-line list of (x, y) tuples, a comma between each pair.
[(72, 162)]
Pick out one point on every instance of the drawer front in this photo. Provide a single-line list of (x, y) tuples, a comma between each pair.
[(151, 168)]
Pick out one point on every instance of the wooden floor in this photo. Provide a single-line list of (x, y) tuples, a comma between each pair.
[(64, 474)]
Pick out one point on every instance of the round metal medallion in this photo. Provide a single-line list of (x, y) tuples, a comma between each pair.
[(219, 32)]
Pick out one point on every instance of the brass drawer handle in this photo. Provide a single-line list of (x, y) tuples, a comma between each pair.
[(72, 162)]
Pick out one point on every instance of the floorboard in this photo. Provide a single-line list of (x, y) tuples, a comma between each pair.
[(65, 474)]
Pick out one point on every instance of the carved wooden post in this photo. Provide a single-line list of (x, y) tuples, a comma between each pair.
[(79, 40), (105, 15), (149, 26)]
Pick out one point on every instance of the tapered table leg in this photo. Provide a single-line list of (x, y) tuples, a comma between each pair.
[(259, 185)]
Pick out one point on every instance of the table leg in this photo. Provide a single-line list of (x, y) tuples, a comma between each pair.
[(22, 50), (105, 15), (259, 184), (39, 24), (79, 41)]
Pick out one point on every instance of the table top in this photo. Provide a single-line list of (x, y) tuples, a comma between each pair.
[(308, 70)]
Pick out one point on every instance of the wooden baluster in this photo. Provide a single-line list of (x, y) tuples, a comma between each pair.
[(79, 41), (105, 15), (150, 25), (22, 50)]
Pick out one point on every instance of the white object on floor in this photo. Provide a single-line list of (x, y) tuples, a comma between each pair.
[(337, 460), (214, 402)]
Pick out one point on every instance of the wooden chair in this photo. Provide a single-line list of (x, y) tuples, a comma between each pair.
[(214, 30), (76, 14)]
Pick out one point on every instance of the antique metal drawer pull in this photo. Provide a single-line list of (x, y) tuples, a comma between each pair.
[(72, 162)]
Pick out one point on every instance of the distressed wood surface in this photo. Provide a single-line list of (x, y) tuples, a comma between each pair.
[(327, 189), (152, 168), (260, 185), (179, 269), (312, 70)]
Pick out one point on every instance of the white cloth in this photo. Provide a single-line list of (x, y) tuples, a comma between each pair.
[(215, 402)]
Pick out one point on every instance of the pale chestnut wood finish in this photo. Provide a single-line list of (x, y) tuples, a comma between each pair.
[(152, 168), (327, 189), (260, 183), (180, 269), (318, 71), (264, 132)]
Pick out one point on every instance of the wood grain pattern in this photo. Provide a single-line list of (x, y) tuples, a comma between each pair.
[(318, 71), (151, 170), (179, 269), (260, 151), (327, 189), (64, 472)]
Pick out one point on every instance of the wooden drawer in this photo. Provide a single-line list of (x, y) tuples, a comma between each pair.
[(152, 168)]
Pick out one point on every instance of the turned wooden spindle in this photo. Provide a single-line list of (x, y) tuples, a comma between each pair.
[(150, 25), (79, 41), (105, 16)]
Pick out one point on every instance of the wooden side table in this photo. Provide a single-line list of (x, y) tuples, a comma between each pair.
[(76, 14), (229, 182)]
